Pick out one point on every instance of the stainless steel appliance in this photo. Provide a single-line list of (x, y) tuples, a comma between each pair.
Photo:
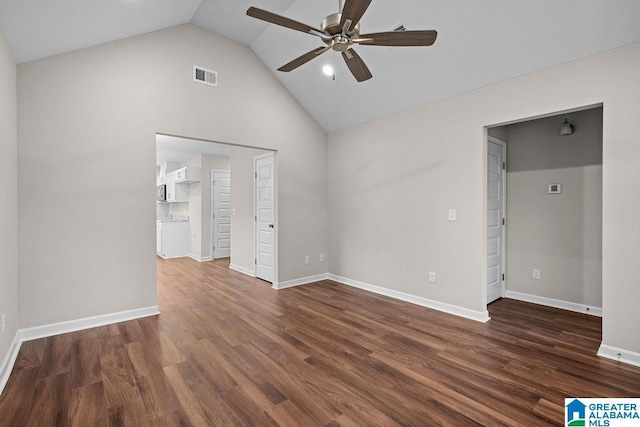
[(161, 193)]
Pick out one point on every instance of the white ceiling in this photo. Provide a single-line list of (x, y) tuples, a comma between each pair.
[(480, 42)]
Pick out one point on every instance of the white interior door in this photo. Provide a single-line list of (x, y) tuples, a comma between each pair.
[(221, 229), (264, 217), (496, 174)]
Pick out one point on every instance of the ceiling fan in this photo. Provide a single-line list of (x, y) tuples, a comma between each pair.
[(341, 30)]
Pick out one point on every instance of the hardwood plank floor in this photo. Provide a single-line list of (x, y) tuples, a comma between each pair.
[(229, 350)]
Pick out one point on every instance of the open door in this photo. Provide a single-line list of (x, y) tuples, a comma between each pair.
[(496, 218), (265, 216)]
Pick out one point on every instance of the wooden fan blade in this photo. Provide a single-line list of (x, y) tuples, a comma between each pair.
[(303, 59), (272, 18), (356, 65), (353, 10), (399, 38)]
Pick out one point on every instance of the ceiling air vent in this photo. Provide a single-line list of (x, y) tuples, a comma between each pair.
[(202, 75), (398, 28)]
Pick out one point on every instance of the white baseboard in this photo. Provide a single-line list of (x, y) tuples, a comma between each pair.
[(37, 332), (52, 329), (199, 259), (171, 257), (413, 299), (478, 316), (9, 360), (619, 355), (242, 270), (300, 281), (556, 303)]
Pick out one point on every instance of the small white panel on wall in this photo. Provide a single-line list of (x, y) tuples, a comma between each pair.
[(555, 188)]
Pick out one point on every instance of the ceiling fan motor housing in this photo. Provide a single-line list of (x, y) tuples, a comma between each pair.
[(338, 41)]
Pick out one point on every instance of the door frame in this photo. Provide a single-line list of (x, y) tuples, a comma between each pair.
[(212, 219), (275, 215), (503, 254)]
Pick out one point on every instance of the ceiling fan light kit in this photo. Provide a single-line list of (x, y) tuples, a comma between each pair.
[(339, 31)]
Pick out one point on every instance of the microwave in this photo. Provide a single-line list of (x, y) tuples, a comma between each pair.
[(161, 193)]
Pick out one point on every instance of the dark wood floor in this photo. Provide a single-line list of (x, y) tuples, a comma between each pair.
[(228, 350)]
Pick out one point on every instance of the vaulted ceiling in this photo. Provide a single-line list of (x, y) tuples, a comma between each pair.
[(480, 42)]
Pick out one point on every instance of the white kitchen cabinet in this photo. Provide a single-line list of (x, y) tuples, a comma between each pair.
[(176, 192), (165, 168), (172, 239), (187, 175)]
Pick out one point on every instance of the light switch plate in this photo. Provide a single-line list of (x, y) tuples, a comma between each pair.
[(453, 215)]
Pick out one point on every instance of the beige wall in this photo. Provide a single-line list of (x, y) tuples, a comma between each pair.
[(8, 198), (391, 182), (242, 194), (87, 125), (560, 234), (499, 132)]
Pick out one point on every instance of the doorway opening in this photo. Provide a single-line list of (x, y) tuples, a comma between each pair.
[(549, 250), (209, 187)]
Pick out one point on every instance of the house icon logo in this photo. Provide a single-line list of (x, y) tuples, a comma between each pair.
[(576, 413)]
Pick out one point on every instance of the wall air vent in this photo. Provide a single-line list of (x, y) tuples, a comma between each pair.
[(202, 75), (399, 28)]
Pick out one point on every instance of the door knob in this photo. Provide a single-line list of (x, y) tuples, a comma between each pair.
[(270, 225)]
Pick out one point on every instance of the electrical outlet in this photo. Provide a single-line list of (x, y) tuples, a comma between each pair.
[(536, 273), (4, 322), (307, 260), (193, 236), (432, 277), (321, 257)]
